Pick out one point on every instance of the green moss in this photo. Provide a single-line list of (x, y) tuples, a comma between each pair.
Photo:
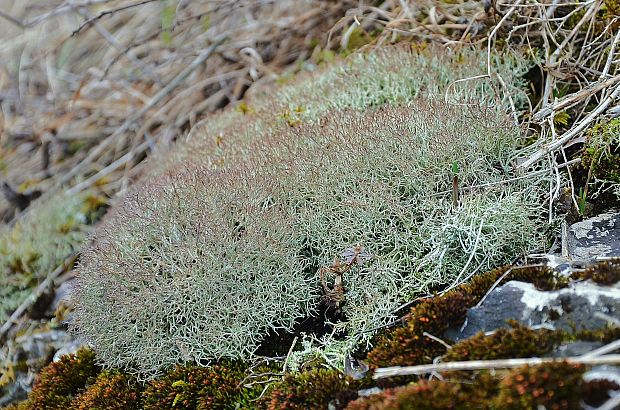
[(17, 406), (601, 156), (603, 21), (110, 391), (61, 381), (193, 387), (357, 39)]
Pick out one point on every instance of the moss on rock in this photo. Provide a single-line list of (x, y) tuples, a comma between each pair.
[(520, 341), (555, 385), (410, 345), (218, 386), (604, 273)]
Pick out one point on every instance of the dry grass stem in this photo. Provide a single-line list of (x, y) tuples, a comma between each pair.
[(382, 373)]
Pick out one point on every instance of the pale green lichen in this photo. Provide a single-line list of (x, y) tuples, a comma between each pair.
[(37, 244), (391, 76), (200, 264)]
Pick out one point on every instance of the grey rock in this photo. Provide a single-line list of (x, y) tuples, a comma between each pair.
[(62, 295), (603, 372), (501, 305), (595, 237), (35, 350), (18, 390), (41, 345), (69, 348), (575, 349), (566, 309), (369, 392)]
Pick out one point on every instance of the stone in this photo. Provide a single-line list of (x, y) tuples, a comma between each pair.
[(573, 349), (569, 309), (595, 237), (29, 353)]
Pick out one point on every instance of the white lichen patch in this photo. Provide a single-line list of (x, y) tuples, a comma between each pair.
[(536, 300)]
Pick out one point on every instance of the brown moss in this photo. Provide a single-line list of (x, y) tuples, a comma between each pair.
[(313, 389), (604, 335), (596, 392), (408, 345), (422, 395), (520, 341), (554, 385), (604, 273), (110, 391), (462, 392), (61, 381), (543, 277), (195, 387)]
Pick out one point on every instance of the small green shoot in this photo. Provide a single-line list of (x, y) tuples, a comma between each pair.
[(581, 201), (167, 21)]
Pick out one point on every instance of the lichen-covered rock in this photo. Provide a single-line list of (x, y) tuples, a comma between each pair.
[(572, 308), (595, 237)]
